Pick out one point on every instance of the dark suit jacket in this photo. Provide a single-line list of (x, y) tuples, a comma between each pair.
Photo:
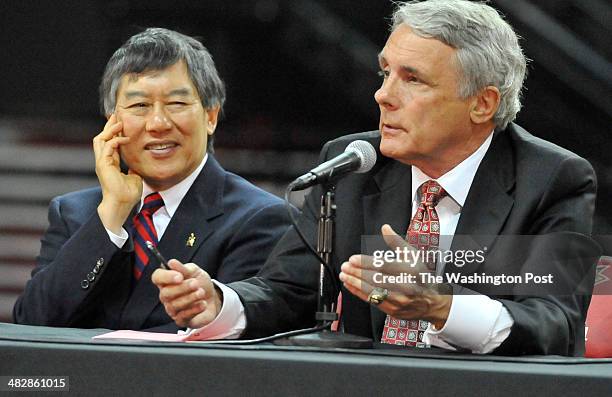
[(523, 186), (235, 223)]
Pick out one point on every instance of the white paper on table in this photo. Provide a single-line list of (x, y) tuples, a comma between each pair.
[(140, 335)]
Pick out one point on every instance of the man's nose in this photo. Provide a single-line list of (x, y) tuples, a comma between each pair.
[(158, 120), (385, 96)]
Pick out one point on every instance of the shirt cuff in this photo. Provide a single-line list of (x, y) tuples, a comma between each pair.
[(229, 323), (479, 330), (120, 240)]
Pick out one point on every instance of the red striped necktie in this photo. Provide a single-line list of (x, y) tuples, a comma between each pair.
[(423, 234), (144, 231)]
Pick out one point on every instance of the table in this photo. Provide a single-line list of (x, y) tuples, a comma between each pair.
[(114, 367)]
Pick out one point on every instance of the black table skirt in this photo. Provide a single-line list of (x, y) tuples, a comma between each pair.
[(112, 367)]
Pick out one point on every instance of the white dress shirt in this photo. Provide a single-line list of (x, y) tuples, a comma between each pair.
[(484, 329), (479, 331), (161, 219), (172, 198)]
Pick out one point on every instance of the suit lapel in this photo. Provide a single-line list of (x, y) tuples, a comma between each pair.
[(486, 208), (190, 226), (392, 205), (188, 229), (488, 203)]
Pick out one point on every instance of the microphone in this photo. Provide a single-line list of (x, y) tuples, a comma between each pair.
[(359, 156)]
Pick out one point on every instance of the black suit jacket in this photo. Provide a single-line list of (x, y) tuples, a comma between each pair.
[(235, 224), (523, 186)]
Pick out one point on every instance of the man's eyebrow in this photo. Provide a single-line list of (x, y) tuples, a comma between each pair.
[(412, 70), (180, 92), (141, 94), (133, 94), (409, 69)]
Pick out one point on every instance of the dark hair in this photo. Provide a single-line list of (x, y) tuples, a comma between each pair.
[(158, 49)]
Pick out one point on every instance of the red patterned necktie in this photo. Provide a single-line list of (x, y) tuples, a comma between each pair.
[(423, 234), (144, 231)]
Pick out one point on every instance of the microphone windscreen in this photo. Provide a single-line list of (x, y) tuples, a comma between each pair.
[(366, 153)]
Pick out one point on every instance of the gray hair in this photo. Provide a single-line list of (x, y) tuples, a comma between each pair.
[(488, 52), (158, 49)]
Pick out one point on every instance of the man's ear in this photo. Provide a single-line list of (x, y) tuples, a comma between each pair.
[(213, 117), (485, 104)]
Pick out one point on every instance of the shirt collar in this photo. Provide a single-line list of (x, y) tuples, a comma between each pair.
[(173, 196), (456, 182)]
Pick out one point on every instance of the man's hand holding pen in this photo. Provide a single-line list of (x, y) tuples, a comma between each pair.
[(188, 294)]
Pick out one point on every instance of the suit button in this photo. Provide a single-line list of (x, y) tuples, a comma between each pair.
[(100, 262), (91, 277), (84, 284), (95, 270)]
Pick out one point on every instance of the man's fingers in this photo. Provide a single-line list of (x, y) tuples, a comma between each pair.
[(352, 267), (106, 143), (183, 302), (362, 261), (110, 147), (112, 119), (375, 278), (350, 278), (361, 282), (356, 286), (111, 128), (162, 277), (392, 239), (357, 292), (170, 292), (362, 290), (178, 285), (184, 317), (193, 270), (110, 122), (107, 133), (176, 265)]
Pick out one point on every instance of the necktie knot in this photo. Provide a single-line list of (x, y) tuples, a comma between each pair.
[(152, 203), (432, 193)]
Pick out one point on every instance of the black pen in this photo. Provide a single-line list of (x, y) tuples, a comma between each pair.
[(162, 261)]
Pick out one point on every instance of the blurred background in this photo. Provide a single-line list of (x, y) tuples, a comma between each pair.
[(298, 73)]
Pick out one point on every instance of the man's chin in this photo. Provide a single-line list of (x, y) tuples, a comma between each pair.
[(160, 181), (387, 148), (394, 151)]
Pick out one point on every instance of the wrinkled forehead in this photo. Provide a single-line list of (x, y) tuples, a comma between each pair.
[(410, 51)]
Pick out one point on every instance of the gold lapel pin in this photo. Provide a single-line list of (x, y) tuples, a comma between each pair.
[(191, 240)]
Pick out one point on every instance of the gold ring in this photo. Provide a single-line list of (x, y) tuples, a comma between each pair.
[(378, 295)]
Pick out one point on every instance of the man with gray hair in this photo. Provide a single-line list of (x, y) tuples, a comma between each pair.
[(458, 175), (162, 96)]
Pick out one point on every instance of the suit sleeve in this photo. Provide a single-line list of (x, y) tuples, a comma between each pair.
[(553, 321), (283, 295), (57, 294)]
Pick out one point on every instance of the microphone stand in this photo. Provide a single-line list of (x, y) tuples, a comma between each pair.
[(326, 308)]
